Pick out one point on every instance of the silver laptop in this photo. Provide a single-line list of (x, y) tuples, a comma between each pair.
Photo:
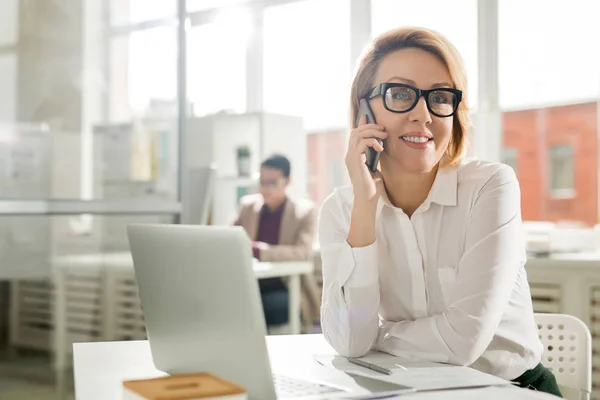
[(203, 311)]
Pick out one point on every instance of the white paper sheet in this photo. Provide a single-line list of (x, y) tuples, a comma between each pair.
[(421, 375), (375, 357)]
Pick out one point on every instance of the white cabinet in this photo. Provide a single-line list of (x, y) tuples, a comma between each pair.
[(214, 140)]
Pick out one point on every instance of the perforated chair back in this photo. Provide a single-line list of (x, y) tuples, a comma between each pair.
[(567, 350)]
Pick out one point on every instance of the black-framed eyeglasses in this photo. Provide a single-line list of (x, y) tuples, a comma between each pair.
[(401, 98)]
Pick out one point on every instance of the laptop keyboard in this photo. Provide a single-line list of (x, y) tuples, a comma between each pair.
[(287, 387)]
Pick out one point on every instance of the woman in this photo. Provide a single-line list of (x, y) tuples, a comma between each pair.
[(425, 257)]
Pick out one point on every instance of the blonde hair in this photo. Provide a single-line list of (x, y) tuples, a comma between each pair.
[(431, 42)]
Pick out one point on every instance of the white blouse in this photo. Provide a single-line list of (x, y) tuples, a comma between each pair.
[(446, 285)]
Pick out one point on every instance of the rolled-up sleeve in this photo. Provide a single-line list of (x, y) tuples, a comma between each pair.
[(349, 310), (478, 296)]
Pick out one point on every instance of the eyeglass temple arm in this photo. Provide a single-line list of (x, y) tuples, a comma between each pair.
[(377, 90)]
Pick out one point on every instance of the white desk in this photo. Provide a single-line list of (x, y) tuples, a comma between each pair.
[(112, 262), (101, 367)]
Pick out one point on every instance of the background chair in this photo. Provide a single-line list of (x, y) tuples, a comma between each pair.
[(567, 353)]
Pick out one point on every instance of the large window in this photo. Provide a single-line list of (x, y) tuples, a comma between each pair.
[(143, 72), (307, 72), (547, 52), (123, 12), (217, 65), (198, 5), (8, 81), (307, 64), (9, 22), (549, 77)]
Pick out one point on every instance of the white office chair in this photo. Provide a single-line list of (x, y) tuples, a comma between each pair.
[(567, 352)]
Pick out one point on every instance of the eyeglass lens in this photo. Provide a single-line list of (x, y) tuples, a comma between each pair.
[(400, 98)]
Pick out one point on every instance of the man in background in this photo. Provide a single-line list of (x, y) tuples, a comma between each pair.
[(281, 229)]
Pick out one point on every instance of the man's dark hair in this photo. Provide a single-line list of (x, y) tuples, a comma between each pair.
[(278, 162)]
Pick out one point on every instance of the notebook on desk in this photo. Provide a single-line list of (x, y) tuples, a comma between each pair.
[(421, 375)]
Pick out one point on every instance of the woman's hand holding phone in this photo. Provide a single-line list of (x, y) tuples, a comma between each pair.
[(367, 185)]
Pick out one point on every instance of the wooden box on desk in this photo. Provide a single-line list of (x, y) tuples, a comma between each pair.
[(200, 386)]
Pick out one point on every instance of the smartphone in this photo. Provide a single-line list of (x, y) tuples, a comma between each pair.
[(371, 153)]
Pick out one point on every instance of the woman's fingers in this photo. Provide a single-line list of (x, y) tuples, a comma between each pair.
[(368, 142), (367, 131)]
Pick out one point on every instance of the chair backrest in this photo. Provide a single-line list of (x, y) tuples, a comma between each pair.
[(567, 349)]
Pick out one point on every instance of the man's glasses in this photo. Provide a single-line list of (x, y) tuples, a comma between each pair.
[(401, 98), (272, 184)]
